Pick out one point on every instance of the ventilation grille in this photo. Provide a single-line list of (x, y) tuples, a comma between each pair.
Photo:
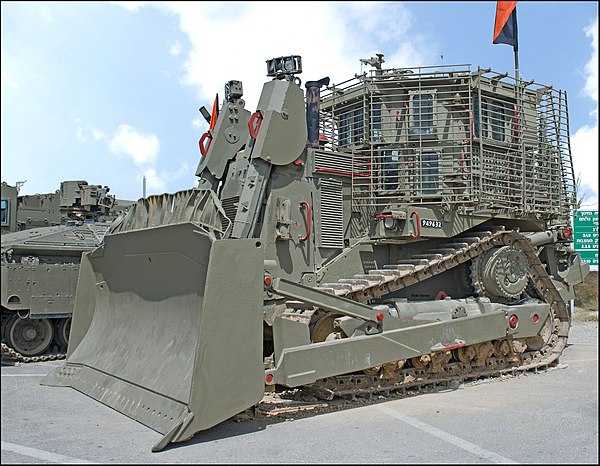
[(331, 215), (230, 206), (332, 162)]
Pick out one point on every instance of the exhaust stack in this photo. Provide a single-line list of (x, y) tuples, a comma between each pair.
[(313, 100)]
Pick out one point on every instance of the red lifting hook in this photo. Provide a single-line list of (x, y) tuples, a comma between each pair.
[(204, 147), (254, 129)]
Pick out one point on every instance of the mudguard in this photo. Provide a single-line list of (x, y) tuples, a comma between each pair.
[(167, 328)]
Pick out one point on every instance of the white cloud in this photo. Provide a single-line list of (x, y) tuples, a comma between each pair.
[(373, 23), (591, 67), (407, 55), (81, 135), (584, 143), (97, 134), (175, 49), (157, 182), (130, 6), (154, 182), (8, 80), (184, 170), (198, 123), (332, 39), (46, 14), (142, 148)]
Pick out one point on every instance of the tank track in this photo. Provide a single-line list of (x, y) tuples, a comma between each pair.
[(13, 355), (50, 354), (491, 359)]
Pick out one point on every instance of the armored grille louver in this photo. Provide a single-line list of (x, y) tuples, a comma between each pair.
[(230, 206), (331, 162), (331, 215)]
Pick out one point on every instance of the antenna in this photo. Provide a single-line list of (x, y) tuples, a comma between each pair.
[(144, 186), (18, 185), (375, 61)]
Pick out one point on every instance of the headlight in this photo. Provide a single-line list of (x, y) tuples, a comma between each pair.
[(389, 223), (279, 67)]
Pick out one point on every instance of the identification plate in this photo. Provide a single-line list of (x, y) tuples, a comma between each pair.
[(427, 223)]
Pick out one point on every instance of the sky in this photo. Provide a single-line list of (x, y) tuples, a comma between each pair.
[(109, 92)]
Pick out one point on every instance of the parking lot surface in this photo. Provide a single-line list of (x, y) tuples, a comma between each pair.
[(548, 417)]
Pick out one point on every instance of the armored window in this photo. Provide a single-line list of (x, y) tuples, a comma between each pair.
[(390, 169), (351, 127), (345, 128), (429, 173), (4, 212), (480, 117), (497, 118), (376, 135), (484, 118), (358, 125), (422, 113)]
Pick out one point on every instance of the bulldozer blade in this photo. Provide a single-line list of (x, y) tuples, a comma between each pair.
[(167, 328)]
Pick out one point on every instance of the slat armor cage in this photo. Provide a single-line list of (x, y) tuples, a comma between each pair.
[(451, 135)]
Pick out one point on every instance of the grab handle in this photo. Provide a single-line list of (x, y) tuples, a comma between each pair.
[(415, 214), (308, 215)]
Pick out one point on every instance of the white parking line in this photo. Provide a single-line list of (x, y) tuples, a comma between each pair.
[(445, 436), (41, 454), (24, 375)]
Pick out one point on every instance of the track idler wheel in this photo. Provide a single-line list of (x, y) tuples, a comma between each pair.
[(439, 360), (421, 362), (372, 371), (433, 362), (482, 352), (29, 337), (502, 348), (465, 354), (386, 371), (519, 346), (322, 328), (62, 329)]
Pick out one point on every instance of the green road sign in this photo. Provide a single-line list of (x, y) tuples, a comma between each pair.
[(585, 235)]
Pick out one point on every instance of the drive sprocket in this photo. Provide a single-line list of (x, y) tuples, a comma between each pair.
[(500, 274)]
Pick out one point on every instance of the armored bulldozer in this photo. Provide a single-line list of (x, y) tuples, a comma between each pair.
[(403, 228), (43, 237)]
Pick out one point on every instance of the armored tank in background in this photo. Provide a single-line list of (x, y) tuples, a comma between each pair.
[(404, 228), (43, 237)]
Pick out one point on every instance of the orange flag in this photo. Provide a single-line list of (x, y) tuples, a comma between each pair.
[(215, 113), (505, 27)]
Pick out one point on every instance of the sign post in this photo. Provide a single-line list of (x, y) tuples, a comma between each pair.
[(585, 236)]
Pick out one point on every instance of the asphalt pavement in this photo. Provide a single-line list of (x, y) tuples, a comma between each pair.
[(550, 417)]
